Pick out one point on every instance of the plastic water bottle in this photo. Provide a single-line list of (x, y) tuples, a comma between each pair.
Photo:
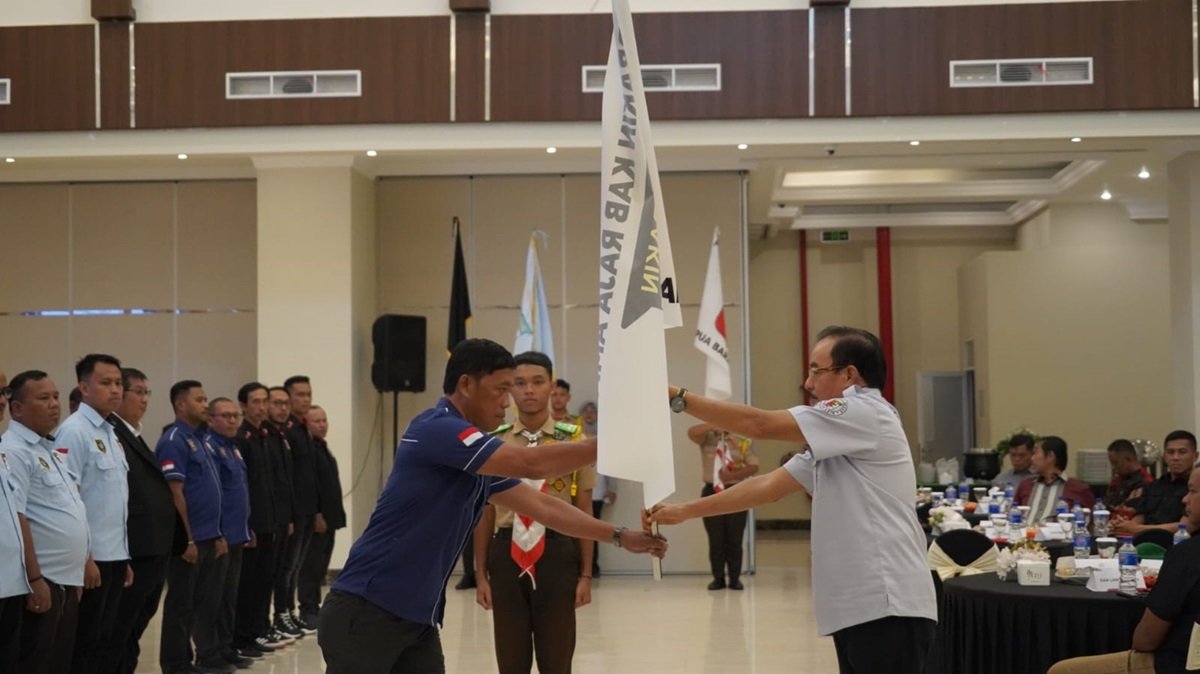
[(1014, 523), (1083, 541), (1061, 508), (1010, 493), (951, 494), (1128, 556), (1100, 517), (1181, 534)]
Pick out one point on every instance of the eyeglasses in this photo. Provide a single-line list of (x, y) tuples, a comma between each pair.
[(6, 392), (814, 371)]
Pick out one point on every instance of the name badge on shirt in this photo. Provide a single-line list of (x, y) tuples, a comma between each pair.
[(100, 446)]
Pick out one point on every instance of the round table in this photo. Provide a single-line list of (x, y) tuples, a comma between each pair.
[(988, 625)]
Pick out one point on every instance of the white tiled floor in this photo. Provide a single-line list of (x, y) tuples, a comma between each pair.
[(637, 625)]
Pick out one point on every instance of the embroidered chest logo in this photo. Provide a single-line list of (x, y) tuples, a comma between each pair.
[(192, 444), (100, 446), (4, 460), (44, 464), (834, 407), (559, 485)]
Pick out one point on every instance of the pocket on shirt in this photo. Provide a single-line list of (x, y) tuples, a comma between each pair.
[(57, 487)]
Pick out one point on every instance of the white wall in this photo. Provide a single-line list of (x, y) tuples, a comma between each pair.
[(45, 12)]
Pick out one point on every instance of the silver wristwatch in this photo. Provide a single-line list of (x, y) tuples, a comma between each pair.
[(679, 402)]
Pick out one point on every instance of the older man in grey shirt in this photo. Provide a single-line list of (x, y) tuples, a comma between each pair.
[(872, 590)]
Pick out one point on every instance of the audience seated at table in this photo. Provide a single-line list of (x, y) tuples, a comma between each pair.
[(1128, 474), (1159, 505), (1020, 450), (1161, 639), (1042, 493)]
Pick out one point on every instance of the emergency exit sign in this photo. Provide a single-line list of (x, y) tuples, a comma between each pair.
[(835, 236)]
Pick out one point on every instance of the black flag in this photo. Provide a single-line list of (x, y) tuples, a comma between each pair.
[(460, 299)]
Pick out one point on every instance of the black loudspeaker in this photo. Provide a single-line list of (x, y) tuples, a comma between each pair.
[(399, 353)]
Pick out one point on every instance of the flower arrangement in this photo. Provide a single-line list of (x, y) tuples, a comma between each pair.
[(1003, 445), (1006, 561), (943, 514)]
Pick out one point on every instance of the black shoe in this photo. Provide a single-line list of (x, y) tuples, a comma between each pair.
[(239, 661), (302, 625), (284, 624), (736, 584), (250, 652), (717, 585), (467, 583)]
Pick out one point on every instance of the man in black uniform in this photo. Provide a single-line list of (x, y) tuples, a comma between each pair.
[(307, 499), (154, 530), (279, 450), (331, 518), (252, 622), (1160, 503)]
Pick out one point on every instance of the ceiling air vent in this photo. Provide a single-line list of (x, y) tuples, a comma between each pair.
[(668, 77), (5, 91), (294, 84), (1021, 72)]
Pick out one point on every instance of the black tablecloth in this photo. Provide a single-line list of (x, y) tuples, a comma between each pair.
[(988, 625)]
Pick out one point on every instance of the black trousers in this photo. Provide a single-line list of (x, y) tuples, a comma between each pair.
[(526, 621), (358, 637), (227, 611), (313, 572), (597, 508), (11, 611), (190, 609), (468, 560), (293, 558), (48, 639), (892, 645), (138, 604), (725, 534), (97, 612), (255, 584), (279, 568)]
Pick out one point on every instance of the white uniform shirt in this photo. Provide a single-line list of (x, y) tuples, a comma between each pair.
[(868, 549), (13, 578), (94, 454)]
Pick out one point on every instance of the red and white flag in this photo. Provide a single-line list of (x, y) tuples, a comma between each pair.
[(710, 328)]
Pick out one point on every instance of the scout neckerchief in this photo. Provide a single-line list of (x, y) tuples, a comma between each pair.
[(528, 536), (725, 456)]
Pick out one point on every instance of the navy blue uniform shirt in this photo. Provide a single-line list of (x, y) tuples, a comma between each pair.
[(425, 515), (183, 458)]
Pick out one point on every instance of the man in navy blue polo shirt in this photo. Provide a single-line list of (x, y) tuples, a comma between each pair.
[(383, 613), (223, 421), (192, 577)]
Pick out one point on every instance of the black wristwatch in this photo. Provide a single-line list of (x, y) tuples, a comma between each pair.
[(679, 402)]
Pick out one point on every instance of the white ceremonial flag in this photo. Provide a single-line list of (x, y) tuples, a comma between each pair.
[(533, 327), (638, 292), (710, 328)]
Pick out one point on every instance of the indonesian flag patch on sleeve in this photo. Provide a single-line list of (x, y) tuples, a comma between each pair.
[(470, 436), (168, 466)]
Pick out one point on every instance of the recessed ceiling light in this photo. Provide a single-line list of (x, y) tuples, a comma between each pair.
[(1144, 174), (551, 150), (742, 146), (1106, 195), (371, 153), (1076, 139), (914, 143), (181, 155), (9, 160)]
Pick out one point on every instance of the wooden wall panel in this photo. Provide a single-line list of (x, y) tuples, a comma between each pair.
[(829, 61), (470, 64), (181, 70), (114, 75), (1142, 52), (53, 78), (537, 62)]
